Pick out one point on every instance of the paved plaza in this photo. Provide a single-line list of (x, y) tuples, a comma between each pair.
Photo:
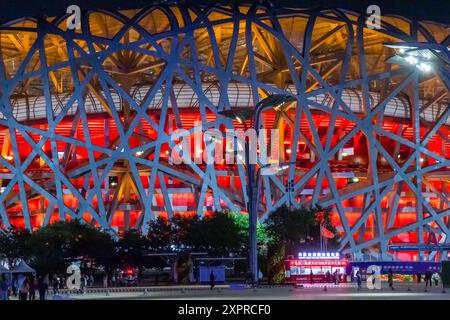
[(410, 291)]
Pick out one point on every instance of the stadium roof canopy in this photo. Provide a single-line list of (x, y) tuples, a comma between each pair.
[(33, 105), (434, 10)]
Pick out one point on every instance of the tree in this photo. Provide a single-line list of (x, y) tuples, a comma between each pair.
[(160, 235), (295, 228), (288, 231), (57, 245), (220, 234), (185, 231), (323, 217), (132, 247), (14, 245), (98, 246), (242, 221), (50, 249)]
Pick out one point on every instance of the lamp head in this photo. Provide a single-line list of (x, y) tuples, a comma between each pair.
[(276, 100), (423, 56)]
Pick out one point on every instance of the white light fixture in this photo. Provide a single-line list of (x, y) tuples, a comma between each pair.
[(411, 60), (416, 55), (424, 67)]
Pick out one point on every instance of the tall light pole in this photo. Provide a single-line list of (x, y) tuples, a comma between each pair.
[(271, 102), (426, 57)]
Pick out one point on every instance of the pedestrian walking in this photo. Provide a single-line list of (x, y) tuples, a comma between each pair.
[(311, 277), (359, 279), (43, 288), (24, 289), (82, 285), (435, 277), (427, 279), (4, 288), (113, 280), (105, 280), (212, 279), (336, 277), (33, 288), (391, 279), (55, 284), (15, 286)]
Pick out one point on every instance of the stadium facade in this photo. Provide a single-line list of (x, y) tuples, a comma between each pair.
[(86, 117)]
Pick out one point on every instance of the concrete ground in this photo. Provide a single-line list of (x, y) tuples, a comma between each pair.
[(411, 291)]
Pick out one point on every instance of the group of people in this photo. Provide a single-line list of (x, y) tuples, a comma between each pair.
[(118, 278), (59, 282), (335, 278), (429, 279), (23, 286)]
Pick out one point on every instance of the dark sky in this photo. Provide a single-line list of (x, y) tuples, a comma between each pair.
[(435, 10)]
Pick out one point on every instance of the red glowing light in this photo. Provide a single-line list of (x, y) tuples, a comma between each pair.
[(308, 263)]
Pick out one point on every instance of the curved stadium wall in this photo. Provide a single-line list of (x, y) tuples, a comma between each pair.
[(86, 118)]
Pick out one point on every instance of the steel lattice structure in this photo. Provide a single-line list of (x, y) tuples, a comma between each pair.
[(86, 118)]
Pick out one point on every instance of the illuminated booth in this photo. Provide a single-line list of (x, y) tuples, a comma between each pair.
[(324, 267), (315, 267)]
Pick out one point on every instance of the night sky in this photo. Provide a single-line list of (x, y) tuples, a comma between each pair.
[(435, 10)]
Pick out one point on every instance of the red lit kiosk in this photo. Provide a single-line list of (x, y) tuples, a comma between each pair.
[(315, 267)]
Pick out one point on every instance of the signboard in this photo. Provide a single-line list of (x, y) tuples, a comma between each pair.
[(399, 267), (419, 247), (319, 255), (219, 273), (332, 263)]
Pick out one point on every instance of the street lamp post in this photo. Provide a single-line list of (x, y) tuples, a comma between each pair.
[(271, 102), (425, 57)]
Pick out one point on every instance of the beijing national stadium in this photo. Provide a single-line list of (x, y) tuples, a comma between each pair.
[(86, 117)]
